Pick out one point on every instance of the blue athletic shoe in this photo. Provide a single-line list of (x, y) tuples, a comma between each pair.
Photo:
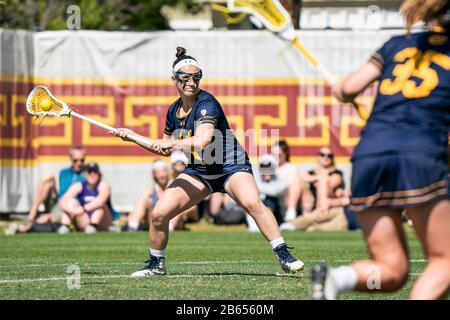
[(288, 262), (323, 286), (152, 267)]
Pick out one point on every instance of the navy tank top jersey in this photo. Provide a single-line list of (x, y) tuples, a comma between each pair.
[(412, 110), (224, 155)]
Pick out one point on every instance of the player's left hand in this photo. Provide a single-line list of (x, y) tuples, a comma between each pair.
[(164, 146)]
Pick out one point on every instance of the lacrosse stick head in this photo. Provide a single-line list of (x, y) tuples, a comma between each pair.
[(41, 102), (270, 13)]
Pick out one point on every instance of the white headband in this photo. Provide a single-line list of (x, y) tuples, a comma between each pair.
[(185, 62)]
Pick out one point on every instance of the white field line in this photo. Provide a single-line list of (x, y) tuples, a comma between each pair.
[(126, 263), (128, 276), (350, 261), (140, 263)]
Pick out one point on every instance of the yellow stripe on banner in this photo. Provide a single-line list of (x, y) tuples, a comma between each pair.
[(140, 159), (65, 159), (306, 160), (157, 82)]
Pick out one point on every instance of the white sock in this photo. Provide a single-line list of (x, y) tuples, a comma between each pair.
[(158, 253), (291, 214), (133, 225), (345, 278), (276, 242)]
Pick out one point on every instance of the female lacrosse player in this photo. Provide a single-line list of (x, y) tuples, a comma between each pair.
[(401, 161), (196, 124)]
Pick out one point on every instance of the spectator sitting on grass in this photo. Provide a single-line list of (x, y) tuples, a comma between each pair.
[(224, 210), (87, 204), (271, 188), (45, 214), (286, 171), (303, 190), (162, 177), (331, 214)]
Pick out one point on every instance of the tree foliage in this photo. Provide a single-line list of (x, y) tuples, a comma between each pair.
[(95, 14)]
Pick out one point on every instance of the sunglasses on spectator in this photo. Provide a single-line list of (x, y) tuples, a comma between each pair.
[(78, 160), (328, 155)]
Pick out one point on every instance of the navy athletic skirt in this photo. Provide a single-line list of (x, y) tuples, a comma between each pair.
[(398, 180), (216, 183)]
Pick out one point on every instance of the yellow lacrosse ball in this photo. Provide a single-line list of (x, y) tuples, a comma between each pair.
[(45, 104)]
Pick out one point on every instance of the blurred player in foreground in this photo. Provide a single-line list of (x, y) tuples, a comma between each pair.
[(197, 124), (401, 161)]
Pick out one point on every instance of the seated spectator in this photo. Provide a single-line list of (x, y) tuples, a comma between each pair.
[(331, 214), (87, 204), (179, 164), (162, 177), (286, 171), (303, 190), (224, 210), (45, 214), (271, 187)]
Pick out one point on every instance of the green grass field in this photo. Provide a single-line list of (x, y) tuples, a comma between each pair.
[(201, 265)]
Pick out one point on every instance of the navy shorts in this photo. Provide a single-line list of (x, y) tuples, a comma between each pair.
[(216, 183), (352, 219), (398, 180)]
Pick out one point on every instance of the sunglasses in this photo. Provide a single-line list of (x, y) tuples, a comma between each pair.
[(185, 76), (328, 155), (78, 160)]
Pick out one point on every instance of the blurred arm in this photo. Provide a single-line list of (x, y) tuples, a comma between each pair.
[(357, 82)]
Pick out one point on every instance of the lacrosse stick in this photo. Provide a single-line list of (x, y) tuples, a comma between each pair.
[(273, 16), (41, 102)]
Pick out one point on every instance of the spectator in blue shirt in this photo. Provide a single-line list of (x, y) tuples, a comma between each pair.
[(44, 212), (72, 174)]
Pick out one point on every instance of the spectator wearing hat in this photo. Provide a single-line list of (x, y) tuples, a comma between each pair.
[(86, 204), (179, 162), (271, 187), (286, 172)]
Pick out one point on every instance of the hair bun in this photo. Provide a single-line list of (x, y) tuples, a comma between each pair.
[(180, 52)]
